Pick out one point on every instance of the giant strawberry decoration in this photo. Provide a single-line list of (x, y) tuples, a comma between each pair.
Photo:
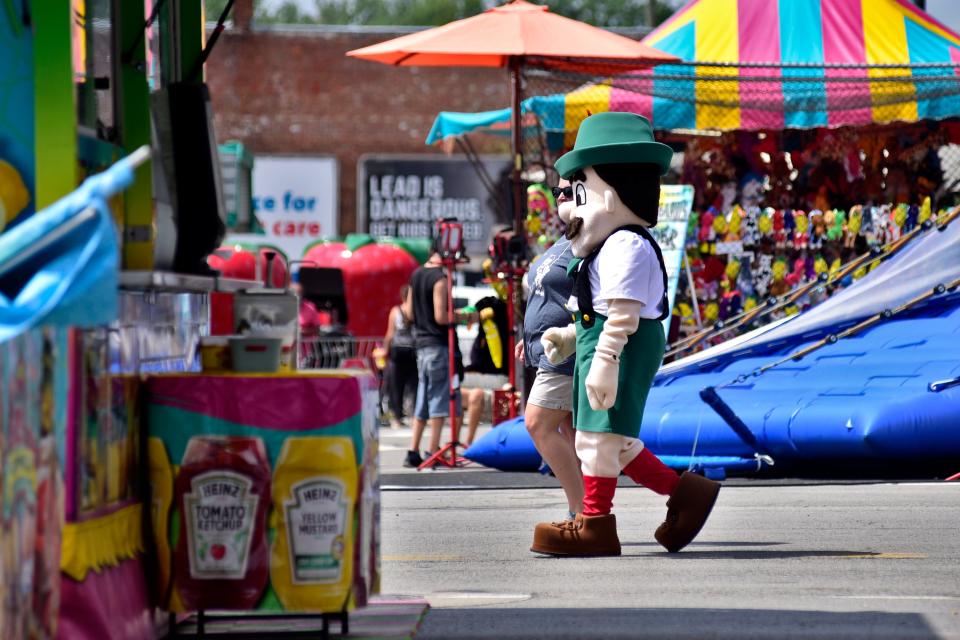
[(373, 274), (240, 262)]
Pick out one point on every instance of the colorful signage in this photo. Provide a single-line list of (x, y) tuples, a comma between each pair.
[(676, 202), (295, 201)]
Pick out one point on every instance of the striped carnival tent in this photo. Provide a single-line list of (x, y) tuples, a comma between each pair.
[(762, 65), (804, 63)]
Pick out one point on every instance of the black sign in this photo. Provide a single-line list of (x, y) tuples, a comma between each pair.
[(403, 197)]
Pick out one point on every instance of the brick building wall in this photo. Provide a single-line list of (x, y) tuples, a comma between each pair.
[(292, 90)]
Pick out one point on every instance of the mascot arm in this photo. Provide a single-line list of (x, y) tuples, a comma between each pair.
[(559, 343), (623, 317)]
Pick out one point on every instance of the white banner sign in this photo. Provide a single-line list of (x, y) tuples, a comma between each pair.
[(295, 201)]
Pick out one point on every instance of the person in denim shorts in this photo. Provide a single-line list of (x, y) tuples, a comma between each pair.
[(427, 304)]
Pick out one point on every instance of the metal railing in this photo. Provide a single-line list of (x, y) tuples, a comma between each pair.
[(335, 352)]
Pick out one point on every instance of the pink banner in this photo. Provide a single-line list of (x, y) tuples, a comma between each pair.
[(287, 402)]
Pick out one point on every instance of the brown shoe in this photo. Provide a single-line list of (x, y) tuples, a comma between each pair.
[(584, 536), (688, 508)]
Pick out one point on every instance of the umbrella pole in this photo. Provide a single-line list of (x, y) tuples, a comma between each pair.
[(515, 274), (516, 144)]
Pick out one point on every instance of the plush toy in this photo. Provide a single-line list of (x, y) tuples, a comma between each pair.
[(779, 285), (765, 223), (745, 278), (913, 216), (835, 266), (899, 219), (817, 229), (711, 312), (763, 275), (732, 270), (779, 230), (820, 265), (789, 225), (543, 226), (707, 278), (801, 234), (873, 227), (685, 312), (719, 231), (733, 224), (693, 227), (854, 224), (751, 226), (14, 196), (731, 304), (706, 234), (796, 276), (834, 220), (620, 301), (925, 210)]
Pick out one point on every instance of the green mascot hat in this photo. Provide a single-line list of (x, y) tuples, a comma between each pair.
[(614, 138)]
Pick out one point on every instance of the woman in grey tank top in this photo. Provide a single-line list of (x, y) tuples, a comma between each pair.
[(401, 374)]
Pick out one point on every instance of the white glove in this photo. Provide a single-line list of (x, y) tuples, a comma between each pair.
[(602, 382), (559, 343)]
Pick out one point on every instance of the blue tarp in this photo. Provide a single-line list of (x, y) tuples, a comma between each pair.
[(548, 109), (60, 266), (864, 397), (509, 447)]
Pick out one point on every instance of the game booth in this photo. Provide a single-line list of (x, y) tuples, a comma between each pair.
[(819, 160)]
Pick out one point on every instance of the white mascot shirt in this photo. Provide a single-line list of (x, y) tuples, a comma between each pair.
[(626, 267)]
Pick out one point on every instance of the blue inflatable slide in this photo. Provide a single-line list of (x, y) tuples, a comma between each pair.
[(888, 394)]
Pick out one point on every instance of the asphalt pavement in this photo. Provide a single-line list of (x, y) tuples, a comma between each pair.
[(783, 558)]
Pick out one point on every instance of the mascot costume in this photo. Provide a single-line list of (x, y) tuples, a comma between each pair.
[(619, 302)]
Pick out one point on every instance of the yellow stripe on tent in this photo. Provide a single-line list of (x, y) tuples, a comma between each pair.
[(718, 101), (594, 98), (885, 35)]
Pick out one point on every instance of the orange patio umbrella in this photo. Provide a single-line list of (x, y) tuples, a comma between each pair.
[(510, 36)]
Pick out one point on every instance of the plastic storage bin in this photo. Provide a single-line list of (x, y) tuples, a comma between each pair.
[(255, 354)]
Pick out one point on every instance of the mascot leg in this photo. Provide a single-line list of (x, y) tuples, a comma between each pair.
[(691, 498), (595, 532)]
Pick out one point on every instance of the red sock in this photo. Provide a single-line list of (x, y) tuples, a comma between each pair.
[(598, 495), (648, 470)]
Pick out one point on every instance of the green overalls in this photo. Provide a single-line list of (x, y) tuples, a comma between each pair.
[(639, 361)]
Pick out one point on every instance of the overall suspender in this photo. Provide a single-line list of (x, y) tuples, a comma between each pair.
[(581, 286)]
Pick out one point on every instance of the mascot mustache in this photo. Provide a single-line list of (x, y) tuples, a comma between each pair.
[(573, 228)]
